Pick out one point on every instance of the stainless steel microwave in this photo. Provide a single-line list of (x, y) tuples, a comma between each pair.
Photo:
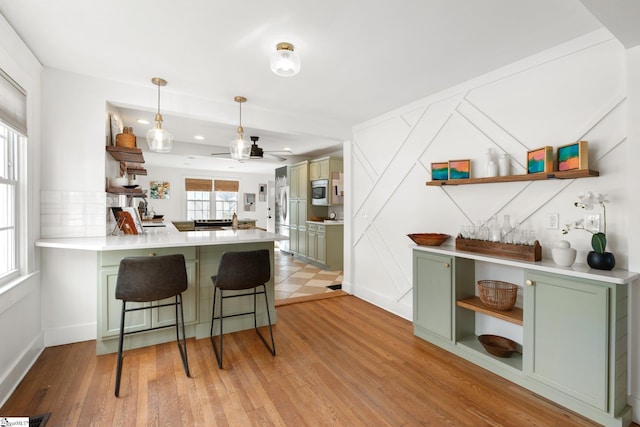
[(320, 192)]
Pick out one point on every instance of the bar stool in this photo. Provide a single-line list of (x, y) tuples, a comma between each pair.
[(148, 279), (240, 271)]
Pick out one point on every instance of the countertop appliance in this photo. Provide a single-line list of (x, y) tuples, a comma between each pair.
[(320, 192)]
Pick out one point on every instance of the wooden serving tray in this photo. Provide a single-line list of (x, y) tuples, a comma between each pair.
[(504, 250)]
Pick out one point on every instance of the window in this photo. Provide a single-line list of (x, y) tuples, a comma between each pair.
[(198, 205), (226, 204), (198, 198), (13, 131), (10, 141)]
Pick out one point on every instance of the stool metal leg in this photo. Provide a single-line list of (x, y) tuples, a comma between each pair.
[(120, 343), (271, 349), (213, 318), (182, 347)]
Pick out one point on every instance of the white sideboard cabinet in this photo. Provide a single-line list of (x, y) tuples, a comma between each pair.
[(573, 320)]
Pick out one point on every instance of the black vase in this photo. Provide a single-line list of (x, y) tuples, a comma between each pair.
[(605, 261)]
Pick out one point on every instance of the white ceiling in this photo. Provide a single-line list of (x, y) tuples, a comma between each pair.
[(360, 58)]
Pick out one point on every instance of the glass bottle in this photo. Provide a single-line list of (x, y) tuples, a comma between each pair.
[(505, 230), (488, 159), (494, 230)]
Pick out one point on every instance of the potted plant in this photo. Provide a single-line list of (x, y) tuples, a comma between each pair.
[(598, 258)]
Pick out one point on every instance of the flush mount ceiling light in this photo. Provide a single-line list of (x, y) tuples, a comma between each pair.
[(158, 139), (239, 148), (285, 62)]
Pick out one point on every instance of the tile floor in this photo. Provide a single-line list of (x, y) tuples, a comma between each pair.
[(295, 278)]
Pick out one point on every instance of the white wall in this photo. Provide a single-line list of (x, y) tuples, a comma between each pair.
[(576, 91), (20, 300)]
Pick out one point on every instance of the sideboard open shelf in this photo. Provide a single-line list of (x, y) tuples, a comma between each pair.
[(473, 303), (541, 176)]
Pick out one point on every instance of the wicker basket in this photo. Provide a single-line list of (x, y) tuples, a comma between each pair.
[(497, 295)]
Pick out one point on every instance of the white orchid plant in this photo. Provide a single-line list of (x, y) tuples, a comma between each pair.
[(587, 201)]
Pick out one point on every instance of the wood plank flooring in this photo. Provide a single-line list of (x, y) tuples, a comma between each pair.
[(340, 362)]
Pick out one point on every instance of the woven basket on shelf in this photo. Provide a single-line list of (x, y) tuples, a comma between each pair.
[(497, 295)]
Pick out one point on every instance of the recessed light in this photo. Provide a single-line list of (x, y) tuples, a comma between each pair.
[(143, 121), (199, 137), (287, 149)]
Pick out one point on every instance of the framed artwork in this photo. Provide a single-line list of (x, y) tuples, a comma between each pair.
[(573, 156), (159, 189), (540, 160), (459, 169), (249, 201), (439, 171)]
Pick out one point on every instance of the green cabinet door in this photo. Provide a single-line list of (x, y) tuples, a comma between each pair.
[(432, 293), (566, 335)]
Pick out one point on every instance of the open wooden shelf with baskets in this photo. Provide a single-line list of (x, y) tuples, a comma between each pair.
[(514, 315)]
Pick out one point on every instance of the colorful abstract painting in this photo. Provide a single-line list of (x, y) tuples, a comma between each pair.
[(538, 160), (440, 171), (572, 156), (459, 169), (159, 189)]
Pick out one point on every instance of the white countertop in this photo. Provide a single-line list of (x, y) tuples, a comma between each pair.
[(164, 237), (616, 276), (327, 222)]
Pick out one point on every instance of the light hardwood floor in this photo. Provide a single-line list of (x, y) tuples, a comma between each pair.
[(340, 362)]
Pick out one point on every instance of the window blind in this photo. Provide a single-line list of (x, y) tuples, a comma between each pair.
[(13, 107), (193, 184), (222, 185)]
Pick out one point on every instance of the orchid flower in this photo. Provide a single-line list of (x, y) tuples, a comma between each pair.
[(588, 201)]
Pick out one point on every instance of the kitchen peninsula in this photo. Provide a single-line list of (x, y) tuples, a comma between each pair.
[(202, 251)]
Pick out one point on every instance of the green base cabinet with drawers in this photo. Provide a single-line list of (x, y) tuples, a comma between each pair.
[(574, 327)]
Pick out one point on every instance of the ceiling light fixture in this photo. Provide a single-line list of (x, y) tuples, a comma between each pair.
[(285, 62), (158, 139), (239, 148)]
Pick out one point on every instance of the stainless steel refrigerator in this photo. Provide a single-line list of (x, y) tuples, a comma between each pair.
[(282, 207)]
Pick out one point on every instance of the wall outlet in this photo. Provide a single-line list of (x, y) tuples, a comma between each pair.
[(552, 221), (592, 222)]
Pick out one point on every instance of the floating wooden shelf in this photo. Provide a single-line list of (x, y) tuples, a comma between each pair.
[(131, 159), (473, 303), (578, 173), (137, 192)]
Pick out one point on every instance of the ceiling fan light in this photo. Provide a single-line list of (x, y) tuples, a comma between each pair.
[(285, 62)]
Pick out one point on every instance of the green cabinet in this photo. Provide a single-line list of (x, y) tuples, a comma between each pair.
[(574, 326), (567, 335), (433, 294), (325, 245)]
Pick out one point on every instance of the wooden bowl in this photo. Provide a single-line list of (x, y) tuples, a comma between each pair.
[(428, 239), (498, 346)]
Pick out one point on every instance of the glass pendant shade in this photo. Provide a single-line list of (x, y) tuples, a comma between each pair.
[(159, 140), (285, 62), (239, 148)]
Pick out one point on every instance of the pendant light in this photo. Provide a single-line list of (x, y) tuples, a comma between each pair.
[(239, 148), (158, 139), (285, 62)]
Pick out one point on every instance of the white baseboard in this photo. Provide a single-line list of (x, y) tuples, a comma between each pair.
[(70, 334), (381, 301), (22, 363)]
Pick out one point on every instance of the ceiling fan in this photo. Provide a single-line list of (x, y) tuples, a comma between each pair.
[(257, 152)]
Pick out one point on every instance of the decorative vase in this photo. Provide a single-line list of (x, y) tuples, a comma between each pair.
[(605, 261)]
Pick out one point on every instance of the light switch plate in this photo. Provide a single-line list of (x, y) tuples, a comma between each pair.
[(552, 221), (592, 222)]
